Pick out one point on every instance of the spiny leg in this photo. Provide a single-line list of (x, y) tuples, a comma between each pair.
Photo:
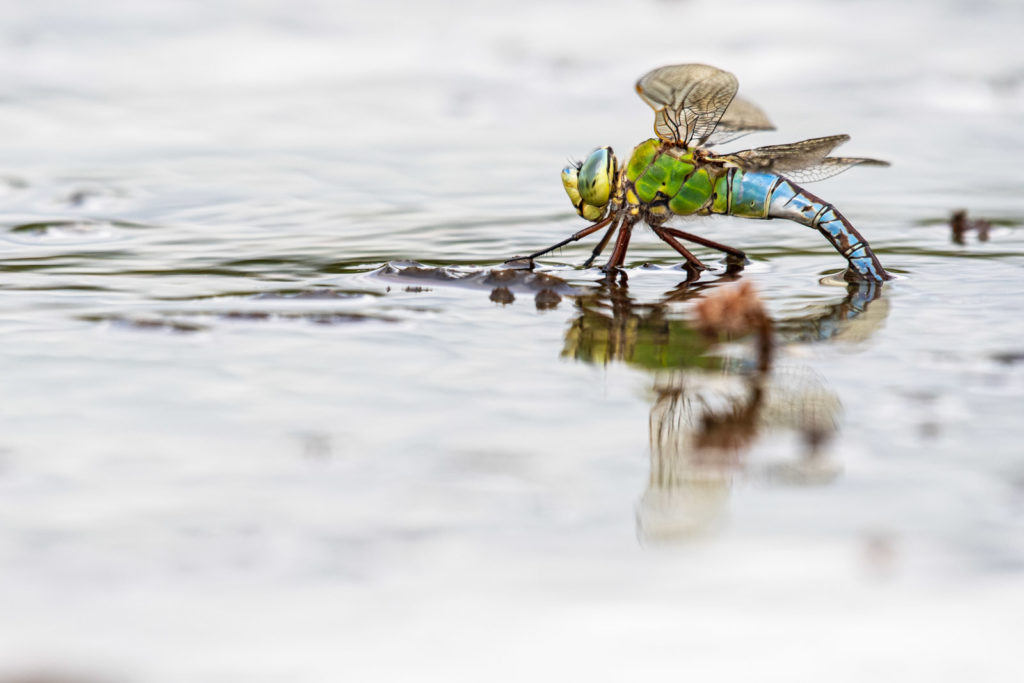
[(692, 261), (601, 245), (732, 251), (589, 230)]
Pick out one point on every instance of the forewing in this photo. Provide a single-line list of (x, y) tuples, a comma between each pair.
[(741, 118), (688, 100)]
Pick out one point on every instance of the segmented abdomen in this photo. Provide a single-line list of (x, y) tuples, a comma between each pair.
[(766, 195)]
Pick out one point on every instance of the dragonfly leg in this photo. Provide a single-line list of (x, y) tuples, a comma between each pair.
[(589, 230), (731, 251), (618, 256), (601, 245), (692, 262)]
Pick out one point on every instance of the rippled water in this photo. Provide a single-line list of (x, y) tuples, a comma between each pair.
[(268, 413)]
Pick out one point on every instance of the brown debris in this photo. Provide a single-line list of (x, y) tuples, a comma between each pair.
[(733, 311), (961, 225), (736, 312)]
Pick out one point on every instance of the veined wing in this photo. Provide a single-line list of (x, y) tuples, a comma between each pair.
[(828, 167), (790, 156), (688, 100), (741, 118), (805, 161)]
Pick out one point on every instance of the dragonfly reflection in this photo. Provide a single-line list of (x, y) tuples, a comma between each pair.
[(711, 407)]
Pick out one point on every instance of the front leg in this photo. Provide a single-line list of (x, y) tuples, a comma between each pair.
[(589, 230), (602, 244), (618, 256)]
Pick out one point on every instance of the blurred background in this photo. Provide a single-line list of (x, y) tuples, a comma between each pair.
[(242, 439)]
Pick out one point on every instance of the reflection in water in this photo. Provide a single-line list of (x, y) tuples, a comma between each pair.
[(714, 400), (494, 279), (611, 326), (503, 283)]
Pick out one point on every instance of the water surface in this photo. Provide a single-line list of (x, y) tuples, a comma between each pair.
[(240, 440)]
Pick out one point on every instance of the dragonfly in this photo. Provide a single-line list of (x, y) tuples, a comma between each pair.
[(676, 174)]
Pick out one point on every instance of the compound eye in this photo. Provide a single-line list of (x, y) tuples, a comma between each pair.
[(595, 177)]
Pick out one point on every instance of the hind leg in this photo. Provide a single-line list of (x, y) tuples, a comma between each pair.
[(693, 264), (734, 257)]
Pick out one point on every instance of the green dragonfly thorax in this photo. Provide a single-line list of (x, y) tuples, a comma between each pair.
[(670, 179), (590, 185)]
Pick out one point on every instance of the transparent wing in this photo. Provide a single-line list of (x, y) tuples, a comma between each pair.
[(790, 156), (828, 167), (741, 118), (688, 100), (805, 161)]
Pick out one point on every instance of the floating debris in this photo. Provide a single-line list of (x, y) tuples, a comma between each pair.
[(961, 225), (734, 312)]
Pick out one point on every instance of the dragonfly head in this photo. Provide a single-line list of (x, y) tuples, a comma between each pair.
[(589, 185)]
